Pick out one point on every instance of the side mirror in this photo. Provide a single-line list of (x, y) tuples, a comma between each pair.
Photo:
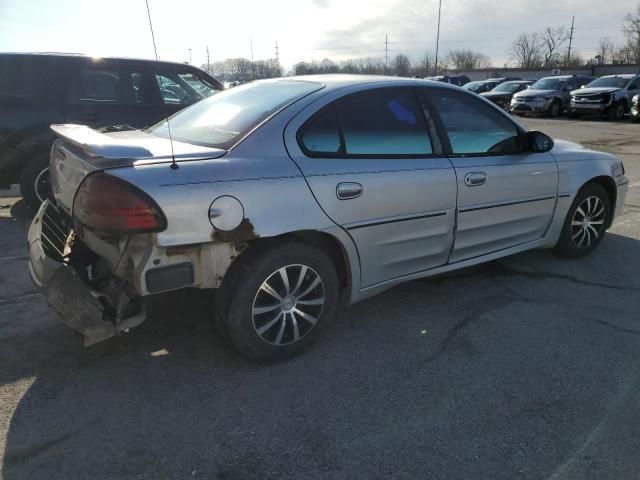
[(538, 142)]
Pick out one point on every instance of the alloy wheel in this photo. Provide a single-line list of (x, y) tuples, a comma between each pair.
[(587, 223), (288, 305)]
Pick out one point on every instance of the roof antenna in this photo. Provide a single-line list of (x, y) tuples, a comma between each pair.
[(174, 165)]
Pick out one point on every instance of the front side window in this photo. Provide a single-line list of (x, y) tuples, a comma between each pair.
[(183, 88), (222, 119), (473, 127), (385, 121)]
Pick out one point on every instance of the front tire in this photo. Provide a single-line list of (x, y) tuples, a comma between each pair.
[(586, 222), (555, 109), (616, 111), (34, 182), (278, 300)]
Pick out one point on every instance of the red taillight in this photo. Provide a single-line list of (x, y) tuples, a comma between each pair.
[(110, 205)]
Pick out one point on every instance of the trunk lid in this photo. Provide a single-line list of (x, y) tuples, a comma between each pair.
[(81, 150)]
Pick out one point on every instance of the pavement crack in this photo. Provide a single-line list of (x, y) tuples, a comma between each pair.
[(613, 326), (23, 297), (28, 453), (502, 269)]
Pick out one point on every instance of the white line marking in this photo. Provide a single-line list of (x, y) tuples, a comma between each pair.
[(634, 185)]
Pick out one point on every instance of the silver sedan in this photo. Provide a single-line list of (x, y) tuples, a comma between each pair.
[(291, 198)]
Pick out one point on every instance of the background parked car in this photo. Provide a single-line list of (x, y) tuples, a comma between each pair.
[(635, 108), (549, 95), (458, 80), (37, 90), (487, 85), (610, 95), (502, 94)]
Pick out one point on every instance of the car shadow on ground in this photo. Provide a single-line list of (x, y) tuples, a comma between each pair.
[(513, 369)]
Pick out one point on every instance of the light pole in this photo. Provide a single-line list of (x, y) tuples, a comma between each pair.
[(435, 68)]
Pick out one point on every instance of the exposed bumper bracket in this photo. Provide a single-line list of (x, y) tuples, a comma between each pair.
[(77, 306)]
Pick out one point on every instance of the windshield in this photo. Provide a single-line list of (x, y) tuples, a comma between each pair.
[(549, 84), (507, 87), (613, 82), (220, 120), (479, 87)]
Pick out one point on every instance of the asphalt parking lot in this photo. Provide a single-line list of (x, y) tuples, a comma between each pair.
[(524, 368)]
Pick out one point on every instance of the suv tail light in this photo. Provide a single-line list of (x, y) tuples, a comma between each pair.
[(110, 205)]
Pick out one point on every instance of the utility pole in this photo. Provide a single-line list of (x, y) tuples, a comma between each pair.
[(435, 67), (253, 66), (189, 56), (277, 53), (208, 63), (570, 41), (386, 52)]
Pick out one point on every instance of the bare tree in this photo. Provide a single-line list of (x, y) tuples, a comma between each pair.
[(463, 60), (526, 50), (631, 29), (551, 42), (401, 65), (606, 50), (575, 60), (423, 67)]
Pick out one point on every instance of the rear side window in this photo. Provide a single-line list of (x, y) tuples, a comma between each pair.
[(110, 86), (472, 126), (381, 122), (321, 133)]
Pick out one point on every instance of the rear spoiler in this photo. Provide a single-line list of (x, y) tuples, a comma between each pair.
[(97, 144), (133, 147)]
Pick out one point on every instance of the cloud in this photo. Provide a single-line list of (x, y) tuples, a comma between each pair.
[(485, 26), (321, 3)]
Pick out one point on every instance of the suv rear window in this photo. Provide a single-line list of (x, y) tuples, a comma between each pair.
[(19, 78)]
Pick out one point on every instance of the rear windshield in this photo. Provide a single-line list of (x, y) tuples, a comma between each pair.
[(613, 82), (221, 120)]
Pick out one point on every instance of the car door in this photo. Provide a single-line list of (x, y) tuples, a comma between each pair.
[(506, 196), (375, 167), (109, 93)]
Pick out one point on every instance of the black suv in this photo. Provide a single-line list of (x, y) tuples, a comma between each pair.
[(37, 90)]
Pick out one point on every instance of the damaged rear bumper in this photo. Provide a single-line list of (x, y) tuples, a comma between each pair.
[(75, 303)]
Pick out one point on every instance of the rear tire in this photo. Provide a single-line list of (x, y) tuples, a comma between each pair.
[(586, 222), (278, 300), (34, 181)]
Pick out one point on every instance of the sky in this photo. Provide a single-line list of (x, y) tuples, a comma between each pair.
[(304, 29)]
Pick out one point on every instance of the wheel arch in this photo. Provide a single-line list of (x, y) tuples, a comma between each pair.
[(609, 186), (339, 253)]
